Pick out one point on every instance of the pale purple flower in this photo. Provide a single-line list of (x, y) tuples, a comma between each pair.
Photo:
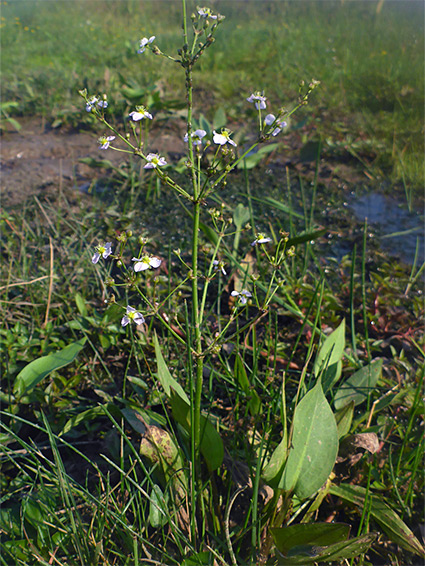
[(105, 141), (102, 104), (206, 13), (91, 103), (103, 250), (154, 161), (223, 137), (219, 265), (270, 119), (140, 113), (197, 136), (145, 262), (244, 295), (258, 99), (144, 42), (261, 239), (132, 315)]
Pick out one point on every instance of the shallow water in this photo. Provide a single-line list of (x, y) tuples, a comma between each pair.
[(400, 231)]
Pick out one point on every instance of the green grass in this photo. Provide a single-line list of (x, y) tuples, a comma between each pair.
[(370, 65), (99, 453)]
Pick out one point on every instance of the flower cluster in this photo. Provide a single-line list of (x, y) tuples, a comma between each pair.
[(271, 119)]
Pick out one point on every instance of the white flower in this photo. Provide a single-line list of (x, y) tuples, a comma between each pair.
[(197, 136), (91, 103), (154, 161), (105, 141), (258, 99), (103, 250), (102, 104), (143, 42), (270, 119), (244, 295), (140, 113), (223, 138), (261, 239), (206, 13), (145, 262), (219, 265), (132, 315)]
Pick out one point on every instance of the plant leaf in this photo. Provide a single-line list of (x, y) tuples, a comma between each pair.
[(254, 402), (335, 552), (388, 519), (328, 359), (317, 534), (314, 445), (33, 373), (358, 387), (165, 378)]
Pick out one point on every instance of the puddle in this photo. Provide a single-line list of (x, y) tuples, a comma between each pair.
[(399, 230)]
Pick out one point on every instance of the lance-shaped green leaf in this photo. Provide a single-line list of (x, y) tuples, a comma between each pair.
[(314, 445), (37, 370), (358, 387), (254, 403), (328, 359), (337, 552), (165, 378), (388, 519), (314, 534)]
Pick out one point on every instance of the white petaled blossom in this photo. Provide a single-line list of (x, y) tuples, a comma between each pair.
[(258, 99), (206, 13), (132, 315), (196, 136), (102, 104), (223, 137), (145, 262), (103, 250), (219, 265), (91, 103), (105, 141), (261, 239), (280, 124), (154, 160), (140, 113), (144, 42), (243, 296)]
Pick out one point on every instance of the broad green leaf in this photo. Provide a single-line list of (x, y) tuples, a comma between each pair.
[(388, 519), (254, 403), (339, 551), (328, 359), (165, 378), (241, 216), (219, 120), (37, 370), (157, 503), (316, 534), (344, 418), (358, 387), (211, 447), (314, 445), (81, 304), (272, 472)]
